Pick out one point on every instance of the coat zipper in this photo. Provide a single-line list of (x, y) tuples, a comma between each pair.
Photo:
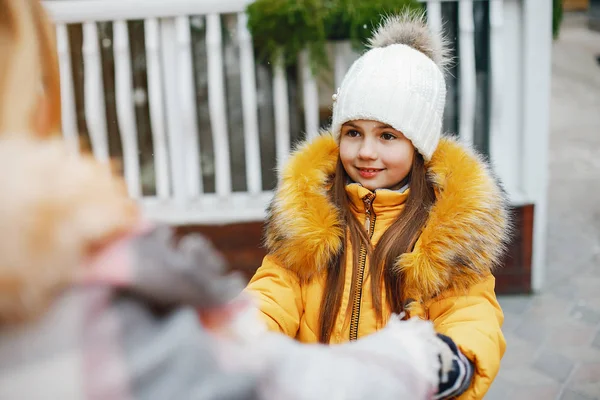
[(370, 227)]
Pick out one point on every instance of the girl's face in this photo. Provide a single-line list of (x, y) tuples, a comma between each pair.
[(375, 155)]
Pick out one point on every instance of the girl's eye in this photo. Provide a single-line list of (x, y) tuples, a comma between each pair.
[(388, 136), (352, 133)]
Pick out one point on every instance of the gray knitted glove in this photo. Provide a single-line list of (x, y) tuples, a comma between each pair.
[(188, 272)]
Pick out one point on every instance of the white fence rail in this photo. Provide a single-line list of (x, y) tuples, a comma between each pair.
[(180, 197)]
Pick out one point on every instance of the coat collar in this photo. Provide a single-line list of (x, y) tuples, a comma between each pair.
[(386, 204), (463, 240)]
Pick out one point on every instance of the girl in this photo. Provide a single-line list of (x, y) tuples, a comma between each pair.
[(382, 216)]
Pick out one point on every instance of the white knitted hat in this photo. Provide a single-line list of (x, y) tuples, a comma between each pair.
[(399, 81)]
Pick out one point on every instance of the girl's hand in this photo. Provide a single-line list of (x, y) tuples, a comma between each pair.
[(456, 371)]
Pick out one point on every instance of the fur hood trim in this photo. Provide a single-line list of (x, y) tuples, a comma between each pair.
[(463, 240)]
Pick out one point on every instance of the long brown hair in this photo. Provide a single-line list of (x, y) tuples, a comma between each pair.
[(29, 74), (399, 238)]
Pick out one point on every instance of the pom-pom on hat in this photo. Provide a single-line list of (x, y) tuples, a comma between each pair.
[(399, 81)]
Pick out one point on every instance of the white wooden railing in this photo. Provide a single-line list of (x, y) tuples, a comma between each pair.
[(519, 60)]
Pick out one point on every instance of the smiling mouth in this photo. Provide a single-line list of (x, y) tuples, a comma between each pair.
[(370, 169), (369, 172)]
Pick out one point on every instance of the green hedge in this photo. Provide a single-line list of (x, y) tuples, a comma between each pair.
[(285, 27)]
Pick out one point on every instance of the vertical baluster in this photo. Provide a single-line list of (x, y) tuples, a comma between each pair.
[(67, 94), (535, 92), (282, 114), (344, 56), (155, 103), (216, 102), (187, 107), (434, 18), (310, 97), (249, 104), (125, 109), (505, 147), (434, 15), (496, 71), (172, 101), (468, 93), (95, 113)]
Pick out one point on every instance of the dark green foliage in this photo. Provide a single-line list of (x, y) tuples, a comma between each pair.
[(285, 27), (557, 16)]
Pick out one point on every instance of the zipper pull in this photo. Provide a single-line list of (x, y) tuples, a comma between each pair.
[(368, 200)]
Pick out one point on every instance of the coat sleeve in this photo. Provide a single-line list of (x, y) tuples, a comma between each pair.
[(278, 293), (473, 321)]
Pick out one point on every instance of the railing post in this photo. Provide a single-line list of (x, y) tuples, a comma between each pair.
[(217, 105), (281, 104), (125, 108), (498, 37), (310, 96), (187, 108), (175, 125), (468, 84), (537, 60), (250, 107), (67, 94), (506, 130), (94, 104), (156, 106)]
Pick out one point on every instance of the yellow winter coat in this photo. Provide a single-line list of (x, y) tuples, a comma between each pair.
[(447, 277)]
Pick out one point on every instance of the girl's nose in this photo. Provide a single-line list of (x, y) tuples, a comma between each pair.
[(367, 150)]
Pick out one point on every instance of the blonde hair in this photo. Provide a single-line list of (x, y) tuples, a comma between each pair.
[(29, 74), (58, 209)]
